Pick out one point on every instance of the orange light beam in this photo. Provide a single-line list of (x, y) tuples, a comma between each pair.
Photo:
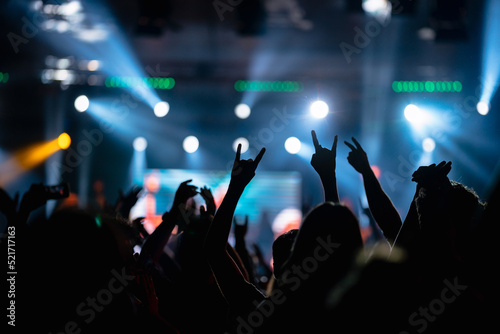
[(25, 159)]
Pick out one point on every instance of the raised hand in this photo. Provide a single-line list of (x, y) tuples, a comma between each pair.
[(209, 200), (34, 198), (381, 207), (244, 170), (153, 247), (432, 174), (183, 193), (323, 160), (357, 157), (125, 202), (240, 230)]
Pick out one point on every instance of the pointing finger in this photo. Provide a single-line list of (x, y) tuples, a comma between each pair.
[(317, 146), (334, 146), (238, 153), (259, 156)]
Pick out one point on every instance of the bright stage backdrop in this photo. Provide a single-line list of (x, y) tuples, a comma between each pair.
[(272, 200)]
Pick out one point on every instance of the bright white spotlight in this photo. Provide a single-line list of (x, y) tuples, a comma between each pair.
[(161, 109), (319, 109), (82, 103), (69, 8), (428, 144), (483, 108), (375, 6), (242, 111), (293, 145), (244, 144), (140, 144), (190, 144), (414, 114), (61, 75)]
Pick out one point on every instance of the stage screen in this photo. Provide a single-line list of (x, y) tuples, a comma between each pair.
[(272, 200)]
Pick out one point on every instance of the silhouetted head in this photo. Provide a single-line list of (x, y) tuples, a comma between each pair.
[(282, 248), (328, 239), (457, 211)]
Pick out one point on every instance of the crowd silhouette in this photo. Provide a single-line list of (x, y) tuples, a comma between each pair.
[(433, 270)]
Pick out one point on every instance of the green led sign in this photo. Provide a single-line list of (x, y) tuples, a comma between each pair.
[(267, 86), (427, 86), (4, 77), (151, 82)]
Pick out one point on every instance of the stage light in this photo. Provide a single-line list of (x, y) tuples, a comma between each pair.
[(69, 8), (426, 34), (4, 77), (377, 7), (267, 86), (63, 63), (293, 145), (415, 115), (161, 109), (93, 65), (319, 109), (140, 144), (61, 75), (428, 144), (82, 103), (490, 76), (242, 111), (64, 140), (137, 82), (244, 144), (427, 86), (483, 108), (190, 144), (373, 6), (62, 26), (27, 158)]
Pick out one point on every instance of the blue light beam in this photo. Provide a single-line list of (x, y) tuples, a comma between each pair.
[(491, 50)]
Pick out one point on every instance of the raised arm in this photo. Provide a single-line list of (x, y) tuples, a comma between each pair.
[(236, 290), (242, 173), (126, 202), (323, 161), (381, 206), (153, 247), (206, 193), (37, 195), (240, 246)]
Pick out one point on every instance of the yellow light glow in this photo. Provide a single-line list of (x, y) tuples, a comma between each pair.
[(64, 141), (25, 159), (35, 154)]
